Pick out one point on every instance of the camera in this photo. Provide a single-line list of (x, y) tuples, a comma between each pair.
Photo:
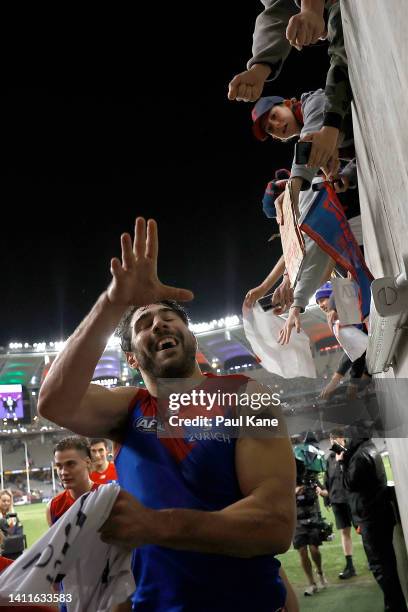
[(325, 530), (302, 152), (338, 448), (308, 495)]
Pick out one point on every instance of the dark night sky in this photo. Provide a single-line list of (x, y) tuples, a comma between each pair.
[(100, 127)]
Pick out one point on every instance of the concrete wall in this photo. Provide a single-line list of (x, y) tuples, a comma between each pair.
[(376, 39)]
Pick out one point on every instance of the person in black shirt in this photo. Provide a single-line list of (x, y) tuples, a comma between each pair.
[(365, 481), (336, 496)]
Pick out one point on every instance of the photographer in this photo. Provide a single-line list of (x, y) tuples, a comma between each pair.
[(6, 507), (14, 540), (366, 484), (336, 496), (309, 525)]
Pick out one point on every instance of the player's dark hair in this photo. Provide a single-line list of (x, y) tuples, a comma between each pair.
[(93, 441), (78, 443)]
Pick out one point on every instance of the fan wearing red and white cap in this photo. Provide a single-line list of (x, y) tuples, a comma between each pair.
[(279, 27)]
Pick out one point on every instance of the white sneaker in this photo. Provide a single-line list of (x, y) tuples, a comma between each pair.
[(310, 590), (322, 581)]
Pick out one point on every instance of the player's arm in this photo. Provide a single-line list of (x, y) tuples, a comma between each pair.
[(66, 396), (260, 523)]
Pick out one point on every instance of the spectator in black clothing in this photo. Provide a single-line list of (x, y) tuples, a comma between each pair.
[(365, 481), (336, 497)]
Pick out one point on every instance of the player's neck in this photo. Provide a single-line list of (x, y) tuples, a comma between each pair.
[(84, 487), (152, 384), (103, 467)]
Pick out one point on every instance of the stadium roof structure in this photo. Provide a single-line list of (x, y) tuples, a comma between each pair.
[(222, 343), (223, 348)]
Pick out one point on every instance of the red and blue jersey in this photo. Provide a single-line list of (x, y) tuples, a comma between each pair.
[(196, 471), (108, 475)]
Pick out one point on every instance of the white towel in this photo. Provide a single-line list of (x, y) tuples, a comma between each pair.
[(95, 574), (262, 332)]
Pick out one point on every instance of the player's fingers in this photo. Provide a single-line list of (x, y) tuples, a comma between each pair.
[(152, 242), (116, 267), (139, 243), (127, 252)]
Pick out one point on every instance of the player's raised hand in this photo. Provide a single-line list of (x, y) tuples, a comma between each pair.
[(135, 281)]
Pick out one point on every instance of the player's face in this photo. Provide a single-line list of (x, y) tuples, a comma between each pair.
[(323, 303), (72, 468), (99, 454), (163, 345), (5, 503), (281, 122)]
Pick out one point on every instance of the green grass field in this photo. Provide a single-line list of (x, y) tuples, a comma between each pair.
[(359, 594), (356, 595)]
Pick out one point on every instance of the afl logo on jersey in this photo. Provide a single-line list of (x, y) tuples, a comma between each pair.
[(147, 424)]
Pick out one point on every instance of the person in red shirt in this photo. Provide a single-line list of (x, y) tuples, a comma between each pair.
[(72, 458), (104, 470)]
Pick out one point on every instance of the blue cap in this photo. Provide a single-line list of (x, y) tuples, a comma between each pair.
[(324, 291), (259, 111)]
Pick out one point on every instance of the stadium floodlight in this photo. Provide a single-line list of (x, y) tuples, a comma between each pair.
[(113, 343), (388, 320), (225, 322)]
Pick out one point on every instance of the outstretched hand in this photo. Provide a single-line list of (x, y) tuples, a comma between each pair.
[(253, 295), (135, 281), (292, 321)]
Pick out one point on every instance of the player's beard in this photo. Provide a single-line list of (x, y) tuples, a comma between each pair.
[(178, 367)]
